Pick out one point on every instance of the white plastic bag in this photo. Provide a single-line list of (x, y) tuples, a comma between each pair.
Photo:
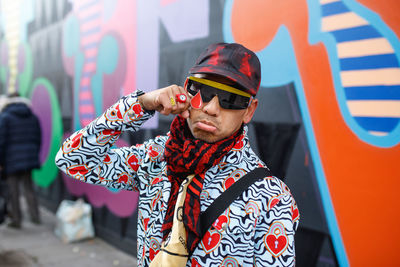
[(74, 221)]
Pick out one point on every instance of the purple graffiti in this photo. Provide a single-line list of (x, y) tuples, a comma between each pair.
[(44, 113)]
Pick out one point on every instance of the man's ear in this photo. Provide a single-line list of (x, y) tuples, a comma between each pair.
[(250, 111)]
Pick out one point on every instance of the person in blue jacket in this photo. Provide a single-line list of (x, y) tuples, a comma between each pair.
[(20, 140)]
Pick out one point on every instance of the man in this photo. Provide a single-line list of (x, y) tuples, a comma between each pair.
[(179, 175), (20, 140)]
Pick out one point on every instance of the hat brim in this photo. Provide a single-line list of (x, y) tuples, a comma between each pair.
[(224, 73)]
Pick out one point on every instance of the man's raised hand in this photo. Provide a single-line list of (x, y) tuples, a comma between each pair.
[(167, 100)]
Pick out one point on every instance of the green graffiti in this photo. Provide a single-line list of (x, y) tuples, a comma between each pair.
[(48, 172), (3, 68)]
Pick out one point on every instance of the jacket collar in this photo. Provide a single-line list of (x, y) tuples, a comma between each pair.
[(6, 101)]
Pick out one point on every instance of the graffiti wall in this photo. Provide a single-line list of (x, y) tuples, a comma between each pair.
[(327, 123)]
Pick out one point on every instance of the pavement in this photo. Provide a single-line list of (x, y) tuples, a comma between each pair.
[(37, 246)]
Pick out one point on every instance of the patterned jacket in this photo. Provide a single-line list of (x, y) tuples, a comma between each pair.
[(256, 230)]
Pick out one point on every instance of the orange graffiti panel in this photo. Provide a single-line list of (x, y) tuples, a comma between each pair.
[(363, 180), (264, 18), (387, 10)]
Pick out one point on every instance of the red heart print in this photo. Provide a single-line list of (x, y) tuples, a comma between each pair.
[(228, 182), (153, 152), (146, 223), (276, 245), (110, 132), (107, 159), (153, 253), (154, 248), (117, 112), (78, 170), (220, 221), (273, 202), (119, 115), (210, 241), (114, 114), (240, 144), (138, 110), (76, 141), (295, 213), (124, 178), (195, 263), (72, 144), (233, 177), (276, 240), (133, 113), (156, 199), (133, 162), (156, 180)]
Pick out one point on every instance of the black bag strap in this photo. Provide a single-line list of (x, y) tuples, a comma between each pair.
[(221, 203)]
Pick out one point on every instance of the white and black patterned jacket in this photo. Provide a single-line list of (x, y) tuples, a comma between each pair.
[(256, 230)]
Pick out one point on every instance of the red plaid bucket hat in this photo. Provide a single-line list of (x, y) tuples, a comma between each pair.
[(233, 61)]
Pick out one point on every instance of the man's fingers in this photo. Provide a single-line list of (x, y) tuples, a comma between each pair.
[(171, 100), (183, 99), (185, 114), (165, 104)]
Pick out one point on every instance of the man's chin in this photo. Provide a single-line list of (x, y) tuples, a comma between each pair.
[(205, 136)]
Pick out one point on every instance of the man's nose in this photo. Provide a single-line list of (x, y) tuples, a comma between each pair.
[(212, 107)]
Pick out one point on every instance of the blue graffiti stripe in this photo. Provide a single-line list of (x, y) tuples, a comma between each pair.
[(85, 88), (356, 33), (89, 4), (89, 18), (333, 9), (85, 102), (369, 62), (86, 74), (91, 31), (380, 92), (90, 59), (377, 124), (88, 116), (90, 45)]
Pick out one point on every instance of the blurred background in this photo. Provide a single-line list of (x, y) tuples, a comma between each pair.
[(327, 123)]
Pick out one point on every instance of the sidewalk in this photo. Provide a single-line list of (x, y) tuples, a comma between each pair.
[(37, 246)]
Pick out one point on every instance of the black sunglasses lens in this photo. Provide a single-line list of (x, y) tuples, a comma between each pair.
[(207, 92), (227, 100), (232, 101), (192, 87)]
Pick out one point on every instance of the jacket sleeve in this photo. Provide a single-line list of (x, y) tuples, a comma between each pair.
[(3, 138), (274, 237), (87, 155)]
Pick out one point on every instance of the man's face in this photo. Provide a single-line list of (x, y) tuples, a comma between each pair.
[(211, 123)]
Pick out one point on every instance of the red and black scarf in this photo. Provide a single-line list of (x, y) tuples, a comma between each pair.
[(186, 155)]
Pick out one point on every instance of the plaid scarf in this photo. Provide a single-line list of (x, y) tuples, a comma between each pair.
[(186, 155)]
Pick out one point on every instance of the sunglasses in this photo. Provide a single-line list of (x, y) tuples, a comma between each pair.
[(229, 97)]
